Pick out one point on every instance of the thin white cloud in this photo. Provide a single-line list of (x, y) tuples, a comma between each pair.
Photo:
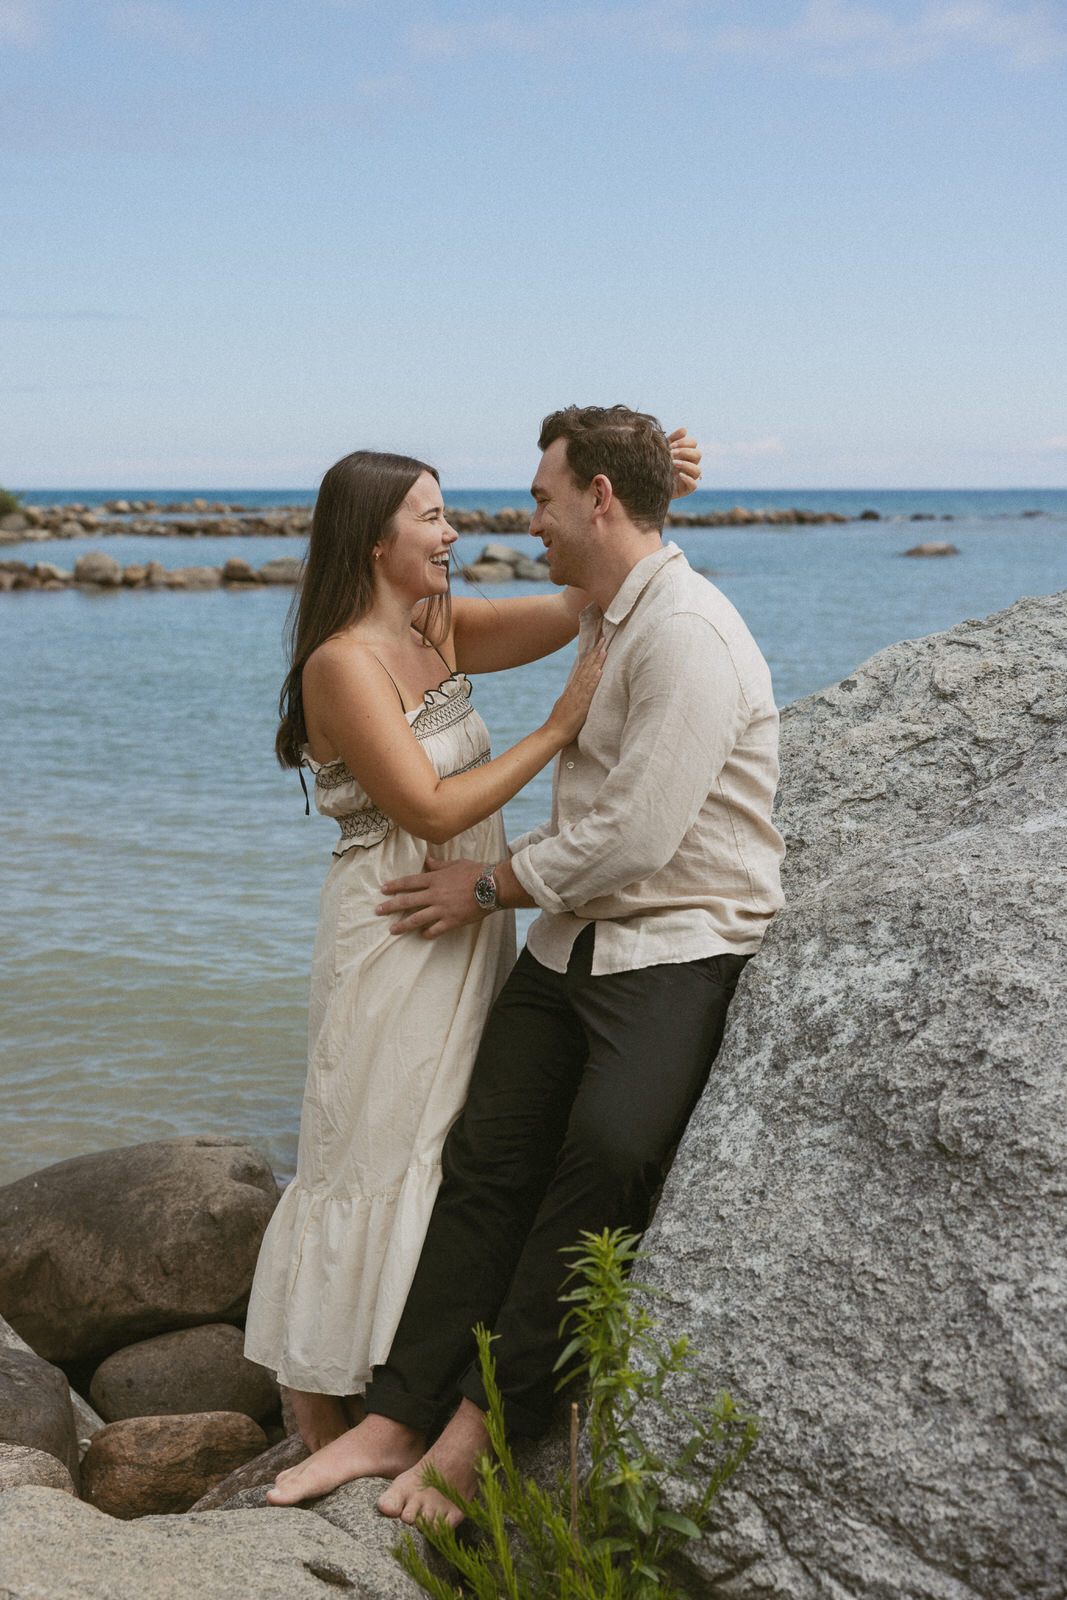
[(842, 36), (1055, 445), (25, 22), (158, 24), (86, 315), (744, 449), (835, 36)]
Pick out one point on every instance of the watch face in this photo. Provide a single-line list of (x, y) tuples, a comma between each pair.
[(485, 892)]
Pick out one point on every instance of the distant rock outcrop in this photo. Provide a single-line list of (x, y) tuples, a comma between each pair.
[(864, 1226)]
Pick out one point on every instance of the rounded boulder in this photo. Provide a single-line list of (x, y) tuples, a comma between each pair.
[(23, 1467), (152, 1466), (103, 1250), (193, 1369), (96, 567), (35, 1407)]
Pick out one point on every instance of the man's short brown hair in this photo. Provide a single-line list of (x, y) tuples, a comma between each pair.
[(628, 447)]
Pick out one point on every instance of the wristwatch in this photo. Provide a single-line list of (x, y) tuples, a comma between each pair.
[(485, 890)]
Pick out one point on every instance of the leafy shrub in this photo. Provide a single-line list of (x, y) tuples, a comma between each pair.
[(610, 1535), (9, 502)]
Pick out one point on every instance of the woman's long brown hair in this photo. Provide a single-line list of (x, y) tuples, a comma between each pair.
[(357, 499)]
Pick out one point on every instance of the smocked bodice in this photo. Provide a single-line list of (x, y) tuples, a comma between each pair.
[(450, 731)]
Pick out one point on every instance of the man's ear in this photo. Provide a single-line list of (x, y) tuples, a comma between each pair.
[(603, 495)]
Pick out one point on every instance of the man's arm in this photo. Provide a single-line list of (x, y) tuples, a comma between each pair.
[(684, 713), (442, 897)]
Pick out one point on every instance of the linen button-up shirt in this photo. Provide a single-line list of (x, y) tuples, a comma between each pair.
[(661, 830)]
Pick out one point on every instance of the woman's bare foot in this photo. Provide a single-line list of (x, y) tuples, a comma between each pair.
[(455, 1456), (377, 1448), (321, 1418)]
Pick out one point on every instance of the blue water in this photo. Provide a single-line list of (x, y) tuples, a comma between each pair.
[(160, 883)]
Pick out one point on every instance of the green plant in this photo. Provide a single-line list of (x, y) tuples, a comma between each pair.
[(609, 1535), (9, 502)]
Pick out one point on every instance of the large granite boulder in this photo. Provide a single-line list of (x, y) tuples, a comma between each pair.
[(864, 1226), (35, 1408), (105, 1249), (53, 1547), (192, 1369)]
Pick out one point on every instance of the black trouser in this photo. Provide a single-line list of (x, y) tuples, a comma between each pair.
[(581, 1088)]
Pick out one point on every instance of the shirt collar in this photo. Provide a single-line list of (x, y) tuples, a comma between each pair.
[(636, 582)]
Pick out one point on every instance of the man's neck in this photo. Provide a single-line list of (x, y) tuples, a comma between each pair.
[(617, 558)]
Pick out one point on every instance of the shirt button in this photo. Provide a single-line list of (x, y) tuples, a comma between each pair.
[(570, 764)]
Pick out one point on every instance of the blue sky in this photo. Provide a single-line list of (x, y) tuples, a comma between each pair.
[(243, 238)]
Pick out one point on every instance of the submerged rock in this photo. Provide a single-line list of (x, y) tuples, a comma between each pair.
[(863, 1229), (934, 547)]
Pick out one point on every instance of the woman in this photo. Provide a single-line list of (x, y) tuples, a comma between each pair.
[(377, 704)]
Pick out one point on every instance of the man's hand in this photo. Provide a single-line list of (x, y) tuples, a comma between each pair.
[(435, 901), (685, 457)]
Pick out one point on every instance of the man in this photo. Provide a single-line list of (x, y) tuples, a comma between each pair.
[(656, 878)]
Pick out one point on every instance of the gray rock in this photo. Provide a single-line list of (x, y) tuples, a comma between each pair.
[(353, 1510), (96, 567), (488, 572), (193, 1369), (47, 571), (56, 1548), (532, 571), (22, 1466), (14, 522), (503, 553), (105, 1249), (194, 578), (35, 1407), (238, 571), (86, 1421), (283, 569), (863, 1229)]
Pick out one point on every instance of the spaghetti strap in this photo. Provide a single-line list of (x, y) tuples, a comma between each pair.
[(392, 680), (451, 670)]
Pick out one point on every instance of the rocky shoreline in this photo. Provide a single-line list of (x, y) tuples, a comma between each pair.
[(862, 1229), (96, 570), (199, 519)]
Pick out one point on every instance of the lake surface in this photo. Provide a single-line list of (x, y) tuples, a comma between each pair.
[(160, 882)]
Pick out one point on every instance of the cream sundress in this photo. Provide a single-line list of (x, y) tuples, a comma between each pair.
[(393, 1028)]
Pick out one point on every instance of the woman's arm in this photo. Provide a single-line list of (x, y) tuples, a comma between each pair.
[(355, 708), (492, 635)]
